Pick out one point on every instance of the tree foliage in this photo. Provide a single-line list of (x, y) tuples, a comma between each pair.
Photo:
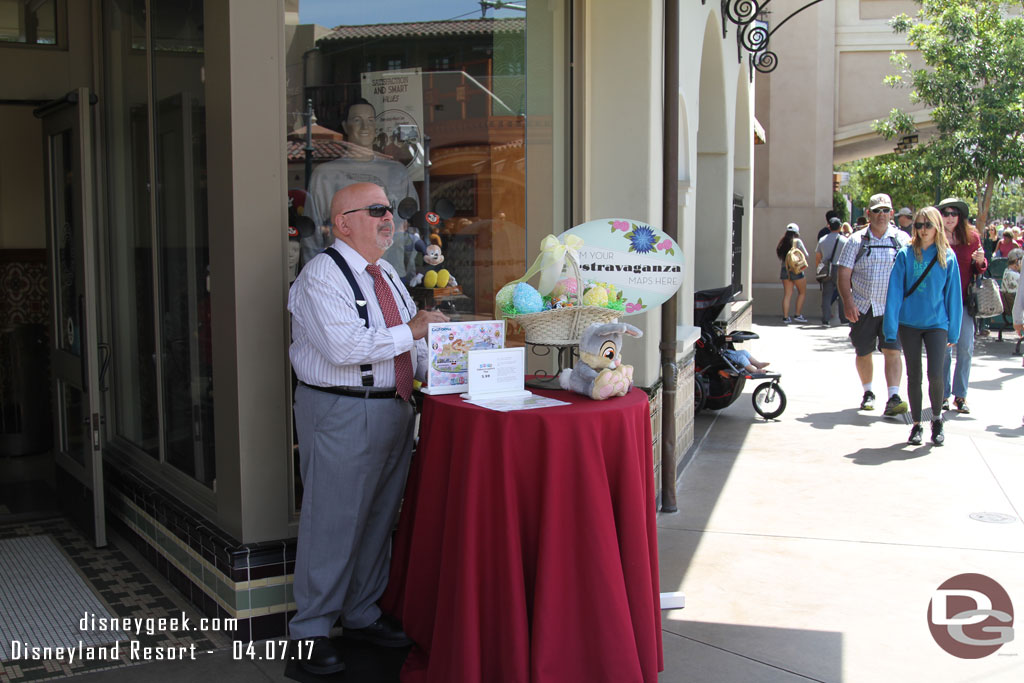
[(974, 85), (913, 179), (1008, 200)]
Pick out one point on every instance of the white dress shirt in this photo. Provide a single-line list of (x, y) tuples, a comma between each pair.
[(329, 339)]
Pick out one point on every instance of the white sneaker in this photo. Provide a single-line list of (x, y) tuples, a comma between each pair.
[(799, 319)]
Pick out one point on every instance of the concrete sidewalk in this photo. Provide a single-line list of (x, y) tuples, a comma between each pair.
[(809, 547)]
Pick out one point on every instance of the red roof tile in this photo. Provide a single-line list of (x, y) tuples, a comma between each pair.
[(323, 150), (458, 27)]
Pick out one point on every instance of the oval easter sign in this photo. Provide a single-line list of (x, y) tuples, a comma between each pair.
[(642, 262)]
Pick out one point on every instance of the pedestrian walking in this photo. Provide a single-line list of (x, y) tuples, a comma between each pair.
[(864, 267), (829, 215), (904, 219), (970, 259), (793, 258), (923, 306), (1018, 315), (827, 251)]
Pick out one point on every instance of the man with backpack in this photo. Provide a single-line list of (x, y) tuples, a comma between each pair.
[(830, 246), (864, 266)]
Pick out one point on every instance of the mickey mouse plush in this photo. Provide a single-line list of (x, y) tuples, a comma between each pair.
[(435, 276)]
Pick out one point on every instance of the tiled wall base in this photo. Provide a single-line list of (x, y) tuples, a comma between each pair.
[(684, 407), (654, 393), (223, 578)]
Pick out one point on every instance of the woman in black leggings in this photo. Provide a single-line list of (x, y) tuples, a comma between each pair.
[(923, 306)]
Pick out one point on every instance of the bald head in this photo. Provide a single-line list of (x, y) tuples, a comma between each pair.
[(368, 235), (355, 196)]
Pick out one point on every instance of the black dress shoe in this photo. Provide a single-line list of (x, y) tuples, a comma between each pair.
[(321, 659), (385, 632)]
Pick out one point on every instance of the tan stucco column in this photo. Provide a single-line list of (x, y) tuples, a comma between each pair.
[(245, 95)]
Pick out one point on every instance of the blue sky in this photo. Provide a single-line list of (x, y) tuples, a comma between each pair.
[(331, 13)]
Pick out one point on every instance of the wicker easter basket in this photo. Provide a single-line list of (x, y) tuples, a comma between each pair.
[(563, 326)]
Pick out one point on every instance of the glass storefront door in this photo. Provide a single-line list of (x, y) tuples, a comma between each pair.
[(70, 211)]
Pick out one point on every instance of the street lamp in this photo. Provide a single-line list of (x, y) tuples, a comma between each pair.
[(310, 120)]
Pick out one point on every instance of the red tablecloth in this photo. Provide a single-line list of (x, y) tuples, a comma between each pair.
[(527, 546)]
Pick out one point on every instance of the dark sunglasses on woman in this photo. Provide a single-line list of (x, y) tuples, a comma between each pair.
[(922, 226), (950, 212)]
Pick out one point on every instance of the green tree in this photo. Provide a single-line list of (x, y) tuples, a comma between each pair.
[(1008, 200), (974, 83), (911, 179)]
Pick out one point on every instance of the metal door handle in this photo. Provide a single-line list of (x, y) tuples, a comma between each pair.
[(104, 365)]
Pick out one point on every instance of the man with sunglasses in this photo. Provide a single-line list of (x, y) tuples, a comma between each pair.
[(358, 341), (864, 268)]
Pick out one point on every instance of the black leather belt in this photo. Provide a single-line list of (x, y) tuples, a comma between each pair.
[(358, 392)]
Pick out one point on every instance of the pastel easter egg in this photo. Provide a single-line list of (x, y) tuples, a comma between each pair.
[(565, 286), (526, 299), (595, 296), (504, 296)]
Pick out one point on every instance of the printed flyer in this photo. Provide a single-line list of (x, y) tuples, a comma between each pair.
[(448, 346)]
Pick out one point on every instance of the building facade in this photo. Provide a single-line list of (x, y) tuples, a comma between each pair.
[(818, 106), (145, 200)]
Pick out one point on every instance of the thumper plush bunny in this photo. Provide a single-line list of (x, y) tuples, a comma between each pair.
[(601, 374)]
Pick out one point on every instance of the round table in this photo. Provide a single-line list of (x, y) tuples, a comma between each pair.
[(527, 545)]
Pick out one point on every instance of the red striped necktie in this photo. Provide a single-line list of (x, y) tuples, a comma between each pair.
[(403, 362)]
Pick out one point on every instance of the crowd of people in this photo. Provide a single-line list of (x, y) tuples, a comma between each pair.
[(902, 281)]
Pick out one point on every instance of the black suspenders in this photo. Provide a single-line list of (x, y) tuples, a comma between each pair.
[(365, 370)]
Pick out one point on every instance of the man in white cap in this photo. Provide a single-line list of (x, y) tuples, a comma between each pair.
[(864, 268)]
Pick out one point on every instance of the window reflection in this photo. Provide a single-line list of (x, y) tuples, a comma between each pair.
[(449, 99), (134, 372), (31, 22), (182, 253), (161, 315)]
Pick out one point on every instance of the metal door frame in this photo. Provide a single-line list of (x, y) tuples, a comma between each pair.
[(73, 113)]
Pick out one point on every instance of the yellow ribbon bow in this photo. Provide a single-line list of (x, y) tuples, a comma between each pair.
[(551, 260)]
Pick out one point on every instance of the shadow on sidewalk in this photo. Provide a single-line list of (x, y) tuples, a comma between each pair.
[(760, 653), (849, 416), (1006, 432), (997, 383), (881, 456)]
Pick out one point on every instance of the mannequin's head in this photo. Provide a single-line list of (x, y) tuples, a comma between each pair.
[(360, 125)]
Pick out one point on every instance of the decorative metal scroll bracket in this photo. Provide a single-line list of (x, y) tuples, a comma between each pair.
[(752, 35)]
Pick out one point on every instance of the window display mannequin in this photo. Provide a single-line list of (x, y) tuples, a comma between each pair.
[(360, 165)]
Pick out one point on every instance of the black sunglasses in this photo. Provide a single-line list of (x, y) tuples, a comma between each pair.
[(950, 212), (921, 226), (881, 209), (375, 210)]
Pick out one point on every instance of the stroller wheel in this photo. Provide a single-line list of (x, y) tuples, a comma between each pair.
[(700, 393), (769, 400)]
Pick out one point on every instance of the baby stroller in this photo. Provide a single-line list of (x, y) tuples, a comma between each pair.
[(717, 381)]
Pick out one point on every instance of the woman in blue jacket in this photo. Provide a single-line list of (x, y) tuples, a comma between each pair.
[(924, 306)]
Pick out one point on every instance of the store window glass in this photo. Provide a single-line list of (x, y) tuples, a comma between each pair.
[(31, 22), (462, 113), (448, 96), (179, 122), (133, 347), (158, 231)]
